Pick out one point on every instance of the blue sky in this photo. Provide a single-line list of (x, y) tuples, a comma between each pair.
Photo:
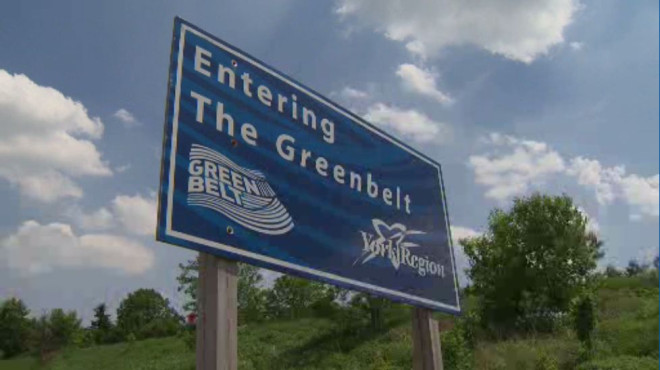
[(557, 96)]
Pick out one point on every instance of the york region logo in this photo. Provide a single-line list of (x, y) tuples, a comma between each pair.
[(389, 241), (242, 195)]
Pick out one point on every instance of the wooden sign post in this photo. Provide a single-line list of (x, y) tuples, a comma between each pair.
[(427, 354), (217, 304)]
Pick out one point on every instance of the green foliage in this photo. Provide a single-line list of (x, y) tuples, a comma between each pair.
[(251, 297), (189, 338), (583, 314), (55, 331), (612, 271), (628, 312), (146, 314), (188, 283), (14, 327), (534, 352), (373, 307), (634, 268), (293, 297), (456, 350), (531, 263), (621, 363), (102, 327)]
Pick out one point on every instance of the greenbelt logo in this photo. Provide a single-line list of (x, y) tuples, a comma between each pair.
[(241, 194)]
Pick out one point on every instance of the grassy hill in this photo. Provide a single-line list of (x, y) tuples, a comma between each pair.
[(626, 338)]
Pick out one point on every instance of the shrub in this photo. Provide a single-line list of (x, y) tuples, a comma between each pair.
[(584, 318), (456, 351), (621, 363)]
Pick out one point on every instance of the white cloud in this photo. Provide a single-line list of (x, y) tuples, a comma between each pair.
[(36, 249), (611, 183), (41, 144), (460, 232), (591, 174), (518, 30), (422, 81), (525, 163), (641, 193), (127, 214), (577, 46), (126, 117), (101, 219), (409, 123), (137, 214), (592, 223), (349, 93), (47, 186), (529, 163)]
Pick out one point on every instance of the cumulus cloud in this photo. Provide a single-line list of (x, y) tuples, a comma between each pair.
[(137, 214), (518, 30), (349, 93), (36, 249), (459, 232), (134, 214), (126, 117), (525, 164), (44, 140), (592, 223), (422, 81), (577, 46), (101, 219), (515, 165), (408, 123)]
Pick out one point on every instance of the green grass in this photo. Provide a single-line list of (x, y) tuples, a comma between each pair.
[(626, 338), (300, 344)]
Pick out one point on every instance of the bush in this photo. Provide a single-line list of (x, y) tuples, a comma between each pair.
[(189, 338), (546, 362), (621, 363), (146, 314), (456, 352), (55, 331), (583, 315)]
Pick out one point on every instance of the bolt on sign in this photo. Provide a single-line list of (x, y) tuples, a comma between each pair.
[(259, 168)]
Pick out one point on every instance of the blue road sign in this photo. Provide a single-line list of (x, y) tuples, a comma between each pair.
[(259, 168)]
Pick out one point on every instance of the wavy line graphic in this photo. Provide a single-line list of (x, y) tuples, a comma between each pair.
[(260, 212)]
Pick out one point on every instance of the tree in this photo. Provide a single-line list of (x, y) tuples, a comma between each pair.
[(14, 327), (146, 314), (634, 268), (293, 297), (251, 298), (612, 271), (188, 283), (56, 330), (373, 306), (101, 325), (533, 260), (656, 262)]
